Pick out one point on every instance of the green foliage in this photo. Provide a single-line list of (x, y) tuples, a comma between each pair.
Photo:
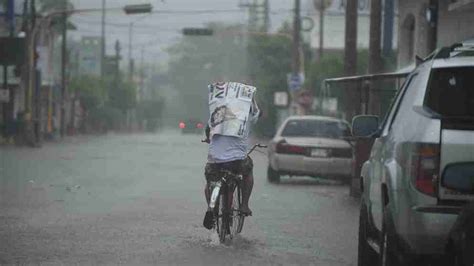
[(198, 61), (90, 90), (263, 61), (104, 101), (123, 96), (104, 118), (150, 111), (332, 66), (270, 62), (49, 6), (53, 5)]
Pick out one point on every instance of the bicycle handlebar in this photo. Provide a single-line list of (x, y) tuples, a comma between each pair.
[(257, 145)]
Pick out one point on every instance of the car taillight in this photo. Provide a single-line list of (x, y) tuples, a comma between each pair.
[(285, 148), (423, 166), (182, 125), (200, 125)]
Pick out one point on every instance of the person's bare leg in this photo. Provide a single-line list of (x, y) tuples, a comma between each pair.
[(247, 187)]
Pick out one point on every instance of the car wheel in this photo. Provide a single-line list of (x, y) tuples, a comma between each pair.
[(366, 255), (388, 249), (461, 255), (272, 175)]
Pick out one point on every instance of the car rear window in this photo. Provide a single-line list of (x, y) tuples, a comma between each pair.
[(451, 92), (315, 128), (459, 177)]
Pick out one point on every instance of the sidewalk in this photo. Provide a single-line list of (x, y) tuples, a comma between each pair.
[(6, 141)]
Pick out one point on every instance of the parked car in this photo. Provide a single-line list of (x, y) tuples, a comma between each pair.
[(423, 151), (313, 146), (191, 126)]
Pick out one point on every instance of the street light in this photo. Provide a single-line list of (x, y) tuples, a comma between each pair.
[(198, 31), (133, 10), (137, 9)]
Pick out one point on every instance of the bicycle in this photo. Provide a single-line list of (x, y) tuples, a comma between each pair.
[(226, 200)]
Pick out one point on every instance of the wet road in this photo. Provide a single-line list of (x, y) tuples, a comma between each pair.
[(138, 199)]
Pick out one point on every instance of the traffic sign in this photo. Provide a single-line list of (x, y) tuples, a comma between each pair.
[(280, 99), (198, 31), (295, 81)]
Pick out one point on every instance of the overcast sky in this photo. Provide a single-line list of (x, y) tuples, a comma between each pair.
[(155, 32)]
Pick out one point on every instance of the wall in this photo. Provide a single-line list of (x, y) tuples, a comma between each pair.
[(456, 25), (453, 26)]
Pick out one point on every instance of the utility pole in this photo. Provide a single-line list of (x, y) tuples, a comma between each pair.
[(63, 72), (259, 15), (433, 25), (29, 72), (296, 62), (350, 54), (117, 61), (375, 62), (102, 48), (321, 28), (296, 38), (130, 46), (11, 32), (266, 16), (389, 13)]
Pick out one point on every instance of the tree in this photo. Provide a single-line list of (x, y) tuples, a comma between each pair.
[(262, 61), (197, 61), (123, 96), (269, 63), (48, 6), (90, 90)]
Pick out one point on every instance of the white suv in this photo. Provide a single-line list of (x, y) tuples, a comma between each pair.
[(422, 155)]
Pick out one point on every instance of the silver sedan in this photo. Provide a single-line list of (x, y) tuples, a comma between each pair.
[(311, 145)]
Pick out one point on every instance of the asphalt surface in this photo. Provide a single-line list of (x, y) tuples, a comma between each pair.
[(138, 200)]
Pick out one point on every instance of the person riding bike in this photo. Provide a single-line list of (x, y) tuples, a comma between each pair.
[(233, 109)]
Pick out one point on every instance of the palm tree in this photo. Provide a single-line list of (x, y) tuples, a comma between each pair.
[(55, 5), (48, 6)]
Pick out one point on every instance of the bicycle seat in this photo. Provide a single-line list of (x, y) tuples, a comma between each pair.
[(229, 173)]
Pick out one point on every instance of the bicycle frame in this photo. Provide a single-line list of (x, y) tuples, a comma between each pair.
[(217, 185), (225, 188)]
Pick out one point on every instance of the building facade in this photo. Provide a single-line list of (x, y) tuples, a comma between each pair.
[(425, 25), (334, 24), (90, 56)]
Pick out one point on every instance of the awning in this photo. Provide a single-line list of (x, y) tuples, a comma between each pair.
[(402, 73), (359, 81)]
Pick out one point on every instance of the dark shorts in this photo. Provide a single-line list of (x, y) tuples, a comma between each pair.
[(244, 167)]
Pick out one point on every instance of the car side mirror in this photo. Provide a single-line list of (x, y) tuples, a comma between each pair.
[(365, 126)]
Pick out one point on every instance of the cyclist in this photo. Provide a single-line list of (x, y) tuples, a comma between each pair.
[(232, 106)]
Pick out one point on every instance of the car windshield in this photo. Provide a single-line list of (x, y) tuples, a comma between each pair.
[(315, 128), (451, 92)]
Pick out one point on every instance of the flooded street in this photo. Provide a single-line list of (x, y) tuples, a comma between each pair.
[(138, 199)]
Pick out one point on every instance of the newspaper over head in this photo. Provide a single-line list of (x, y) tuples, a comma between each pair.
[(229, 107)]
